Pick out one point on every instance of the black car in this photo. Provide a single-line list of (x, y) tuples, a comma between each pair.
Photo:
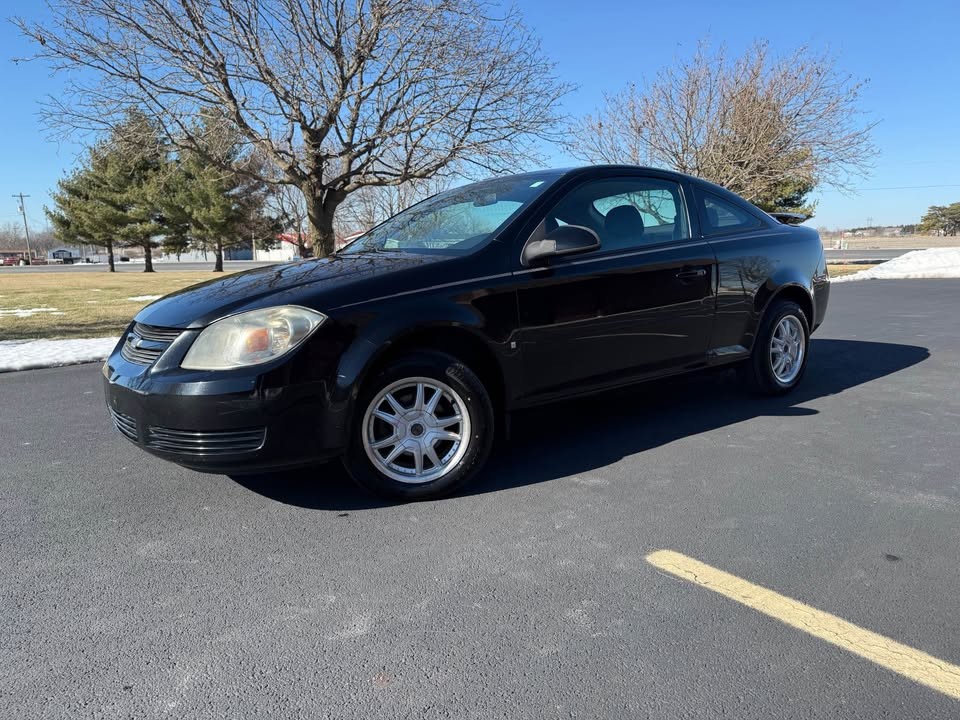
[(405, 351)]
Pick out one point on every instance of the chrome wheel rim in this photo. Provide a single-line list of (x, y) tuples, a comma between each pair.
[(787, 349), (416, 430)]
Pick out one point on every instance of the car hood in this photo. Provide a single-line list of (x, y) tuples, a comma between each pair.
[(298, 283)]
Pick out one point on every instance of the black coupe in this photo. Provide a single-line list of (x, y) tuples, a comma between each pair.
[(404, 352)]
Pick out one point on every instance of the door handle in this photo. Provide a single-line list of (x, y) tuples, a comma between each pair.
[(691, 274)]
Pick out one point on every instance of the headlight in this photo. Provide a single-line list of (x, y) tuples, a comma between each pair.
[(251, 338)]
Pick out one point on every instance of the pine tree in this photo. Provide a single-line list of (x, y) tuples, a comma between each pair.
[(215, 190), (113, 198), (84, 212)]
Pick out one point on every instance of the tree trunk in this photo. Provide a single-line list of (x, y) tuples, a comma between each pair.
[(147, 258), (321, 206), (110, 260), (218, 264)]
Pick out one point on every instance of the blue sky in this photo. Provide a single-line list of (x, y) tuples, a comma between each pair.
[(907, 51)]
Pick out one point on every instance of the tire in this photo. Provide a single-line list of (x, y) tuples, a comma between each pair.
[(394, 423), (764, 372)]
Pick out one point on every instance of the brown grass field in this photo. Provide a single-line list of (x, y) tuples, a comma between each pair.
[(840, 270), (95, 304), (80, 304)]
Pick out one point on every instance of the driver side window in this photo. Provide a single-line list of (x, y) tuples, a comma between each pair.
[(625, 212)]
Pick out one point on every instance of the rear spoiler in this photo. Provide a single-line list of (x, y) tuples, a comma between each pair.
[(788, 218)]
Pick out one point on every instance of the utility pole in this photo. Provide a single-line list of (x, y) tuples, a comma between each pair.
[(26, 228)]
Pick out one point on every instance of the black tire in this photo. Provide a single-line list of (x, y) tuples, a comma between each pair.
[(469, 390), (757, 373)]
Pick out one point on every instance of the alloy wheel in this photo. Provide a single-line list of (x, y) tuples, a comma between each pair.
[(787, 347), (416, 430)]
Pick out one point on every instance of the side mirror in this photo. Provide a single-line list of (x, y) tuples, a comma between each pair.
[(564, 240)]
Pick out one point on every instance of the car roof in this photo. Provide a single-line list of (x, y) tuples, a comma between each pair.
[(607, 168)]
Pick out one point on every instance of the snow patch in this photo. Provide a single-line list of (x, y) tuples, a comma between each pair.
[(932, 263), (30, 354), (26, 312), (144, 298)]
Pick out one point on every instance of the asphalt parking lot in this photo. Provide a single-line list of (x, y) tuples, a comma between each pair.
[(133, 588)]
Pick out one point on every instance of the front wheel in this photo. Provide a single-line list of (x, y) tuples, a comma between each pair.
[(424, 427), (779, 356)]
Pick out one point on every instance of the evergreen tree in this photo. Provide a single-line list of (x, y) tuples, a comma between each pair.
[(137, 162), (113, 198), (81, 214), (216, 189), (941, 219), (131, 192)]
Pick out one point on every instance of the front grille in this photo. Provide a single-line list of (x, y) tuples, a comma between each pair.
[(140, 356), (125, 424), (157, 334), (212, 442), (145, 343)]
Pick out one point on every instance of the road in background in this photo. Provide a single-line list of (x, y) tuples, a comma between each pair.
[(131, 587), (231, 265), (864, 256), (832, 256)]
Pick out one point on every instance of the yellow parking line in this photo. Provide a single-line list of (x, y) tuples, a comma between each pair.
[(914, 664)]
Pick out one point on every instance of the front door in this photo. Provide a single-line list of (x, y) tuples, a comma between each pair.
[(640, 305)]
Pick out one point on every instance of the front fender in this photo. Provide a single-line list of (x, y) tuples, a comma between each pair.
[(486, 318)]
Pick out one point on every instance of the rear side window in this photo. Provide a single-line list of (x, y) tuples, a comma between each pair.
[(721, 216)]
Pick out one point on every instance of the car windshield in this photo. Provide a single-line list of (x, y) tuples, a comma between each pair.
[(458, 221)]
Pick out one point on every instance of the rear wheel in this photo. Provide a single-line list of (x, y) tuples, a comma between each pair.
[(424, 428), (779, 356)]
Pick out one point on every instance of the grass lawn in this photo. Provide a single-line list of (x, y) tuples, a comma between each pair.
[(81, 304), (840, 270)]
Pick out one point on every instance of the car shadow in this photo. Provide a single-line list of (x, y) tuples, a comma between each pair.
[(577, 436)]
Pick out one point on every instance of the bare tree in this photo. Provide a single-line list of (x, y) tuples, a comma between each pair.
[(11, 236), (290, 208), (339, 94), (770, 129)]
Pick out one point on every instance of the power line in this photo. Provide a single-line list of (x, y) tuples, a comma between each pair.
[(897, 187)]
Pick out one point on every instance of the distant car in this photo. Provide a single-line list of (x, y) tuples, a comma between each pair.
[(404, 352)]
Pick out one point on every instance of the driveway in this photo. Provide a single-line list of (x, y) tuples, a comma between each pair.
[(133, 588)]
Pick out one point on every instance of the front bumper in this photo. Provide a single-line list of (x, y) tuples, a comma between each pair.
[(239, 421)]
